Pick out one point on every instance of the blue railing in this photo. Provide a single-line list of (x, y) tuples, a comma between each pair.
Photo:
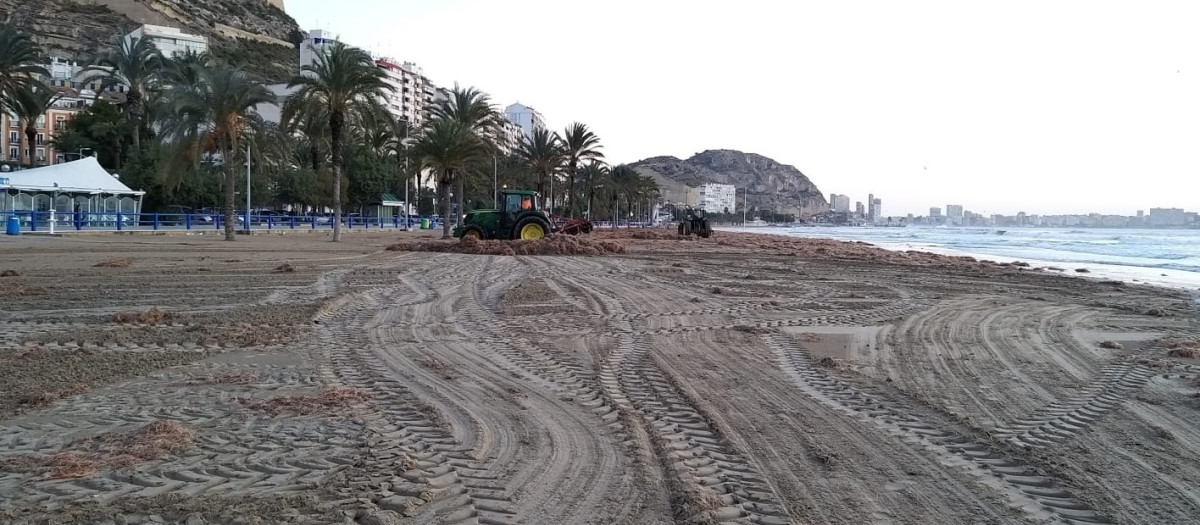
[(39, 221)]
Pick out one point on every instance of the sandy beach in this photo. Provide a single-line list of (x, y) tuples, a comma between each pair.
[(743, 379)]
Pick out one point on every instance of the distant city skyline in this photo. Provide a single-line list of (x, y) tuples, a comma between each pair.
[(947, 208), (1042, 107)]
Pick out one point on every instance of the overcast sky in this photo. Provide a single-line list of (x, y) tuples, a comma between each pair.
[(1046, 106)]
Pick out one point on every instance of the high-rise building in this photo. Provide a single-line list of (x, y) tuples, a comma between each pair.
[(935, 212), (954, 213), (170, 41), (841, 204), (877, 204), (511, 136), (526, 117), (858, 208), (413, 95), (716, 198), (1167, 217)]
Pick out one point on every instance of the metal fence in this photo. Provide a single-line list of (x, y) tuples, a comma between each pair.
[(40, 221)]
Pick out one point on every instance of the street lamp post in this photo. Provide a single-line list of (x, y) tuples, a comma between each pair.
[(247, 188), (407, 204), (745, 204)]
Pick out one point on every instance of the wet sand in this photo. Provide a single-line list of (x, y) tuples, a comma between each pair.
[(743, 378)]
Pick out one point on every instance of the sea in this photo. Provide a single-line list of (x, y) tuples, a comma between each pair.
[(1159, 257)]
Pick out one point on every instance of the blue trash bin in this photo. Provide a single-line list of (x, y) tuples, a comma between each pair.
[(13, 225)]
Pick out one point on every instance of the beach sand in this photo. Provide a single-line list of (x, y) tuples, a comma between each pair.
[(743, 378)]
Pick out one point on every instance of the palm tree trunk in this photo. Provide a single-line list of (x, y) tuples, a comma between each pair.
[(571, 192), (133, 102), (30, 139), (337, 122), (444, 182), (230, 218), (461, 194)]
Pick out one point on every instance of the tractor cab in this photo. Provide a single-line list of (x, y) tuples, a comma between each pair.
[(518, 218)]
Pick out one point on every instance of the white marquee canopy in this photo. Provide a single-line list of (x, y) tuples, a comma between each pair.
[(81, 176)]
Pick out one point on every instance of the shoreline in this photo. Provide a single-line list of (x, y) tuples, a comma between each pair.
[(1173, 278)]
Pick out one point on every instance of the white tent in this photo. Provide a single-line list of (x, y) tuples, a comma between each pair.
[(81, 186), (81, 176)]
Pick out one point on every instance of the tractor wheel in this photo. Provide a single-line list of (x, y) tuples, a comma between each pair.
[(531, 229), (473, 232)]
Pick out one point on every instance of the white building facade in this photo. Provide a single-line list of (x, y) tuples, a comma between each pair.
[(526, 117), (170, 41), (839, 203), (314, 44), (413, 95), (716, 198)]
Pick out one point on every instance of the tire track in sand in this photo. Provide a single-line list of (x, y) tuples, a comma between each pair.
[(404, 435), (711, 480), (1036, 494)]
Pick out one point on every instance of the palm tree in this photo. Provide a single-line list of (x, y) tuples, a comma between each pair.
[(579, 145), (19, 70), (448, 147), (135, 64), (32, 105), (214, 117), (595, 172), (344, 80), (543, 152), (474, 110)]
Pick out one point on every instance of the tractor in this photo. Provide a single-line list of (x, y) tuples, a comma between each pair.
[(519, 218), (695, 223)]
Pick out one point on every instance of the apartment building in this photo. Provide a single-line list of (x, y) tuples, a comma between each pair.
[(13, 141), (716, 198), (170, 41), (413, 95), (526, 117)]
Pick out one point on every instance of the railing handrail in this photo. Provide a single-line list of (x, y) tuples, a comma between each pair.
[(120, 220)]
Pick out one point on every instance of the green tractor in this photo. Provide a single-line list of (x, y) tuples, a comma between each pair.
[(519, 218), (695, 222)]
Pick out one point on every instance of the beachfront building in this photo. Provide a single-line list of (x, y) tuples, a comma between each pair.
[(858, 208), (511, 136), (77, 186), (1167, 217), (839, 203), (170, 41), (526, 117), (954, 214), (718, 198), (413, 95)]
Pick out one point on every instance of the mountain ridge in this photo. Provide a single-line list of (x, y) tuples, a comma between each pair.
[(768, 184)]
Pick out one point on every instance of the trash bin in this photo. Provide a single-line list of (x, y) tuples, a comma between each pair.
[(13, 225), (425, 224)]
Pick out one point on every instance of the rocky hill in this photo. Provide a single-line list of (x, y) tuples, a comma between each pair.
[(769, 184), (253, 34)]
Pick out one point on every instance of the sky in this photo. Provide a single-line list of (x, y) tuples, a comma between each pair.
[(1035, 106)]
